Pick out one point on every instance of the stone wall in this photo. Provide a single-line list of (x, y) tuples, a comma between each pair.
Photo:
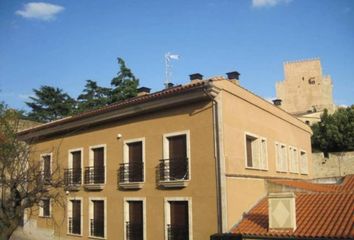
[(337, 164)]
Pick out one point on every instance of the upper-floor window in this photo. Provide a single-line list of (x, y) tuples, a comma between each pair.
[(73, 174), (46, 163), (303, 162), (256, 152), (281, 157), (95, 173), (293, 160), (45, 207)]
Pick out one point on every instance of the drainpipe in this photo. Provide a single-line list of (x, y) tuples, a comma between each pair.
[(217, 157)]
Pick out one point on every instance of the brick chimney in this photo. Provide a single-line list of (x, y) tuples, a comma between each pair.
[(143, 91), (282, 211), (277, 102), (196, 77), (234, 77)]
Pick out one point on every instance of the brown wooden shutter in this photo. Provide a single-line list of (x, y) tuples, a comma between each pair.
[(179, 228), (46, 207), (98, 163), (178, 157), (98, 215), (47, 167), (249, 141), (76, 216), (135, 220), (76, 165), (135, 161)]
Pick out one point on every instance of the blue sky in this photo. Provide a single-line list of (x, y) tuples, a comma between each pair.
[(62, 43)]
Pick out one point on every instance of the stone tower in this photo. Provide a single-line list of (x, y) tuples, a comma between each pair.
[(305, 90)]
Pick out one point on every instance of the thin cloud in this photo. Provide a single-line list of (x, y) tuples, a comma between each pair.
[(267, 3), (40, 10)]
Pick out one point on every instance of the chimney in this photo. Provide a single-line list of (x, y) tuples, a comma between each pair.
[(143, 91), (282, 211), (277, 102), (195, 77), (234, 77)]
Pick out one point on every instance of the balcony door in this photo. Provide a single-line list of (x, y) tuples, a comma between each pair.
[(178, 157), (76, 167), (135, 224), (179, 221), (97, 225), (47, 168), (135, 161), (76, 217), (98, 165)]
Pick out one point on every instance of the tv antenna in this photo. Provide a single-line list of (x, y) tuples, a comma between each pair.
[(168, 67)]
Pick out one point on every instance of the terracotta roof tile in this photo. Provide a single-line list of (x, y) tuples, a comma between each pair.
[(326, 211)]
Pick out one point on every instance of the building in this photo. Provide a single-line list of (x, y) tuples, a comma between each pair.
[(305, 91), (181, 163), (304, 211)]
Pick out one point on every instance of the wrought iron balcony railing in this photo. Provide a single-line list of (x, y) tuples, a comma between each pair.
[(174, 169), (72, 176), (74, 225), (96, 228), (134, 231), (94, 175), (131, 172), (176, 232)]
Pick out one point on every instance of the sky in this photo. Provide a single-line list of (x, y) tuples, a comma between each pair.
[(63, 43)]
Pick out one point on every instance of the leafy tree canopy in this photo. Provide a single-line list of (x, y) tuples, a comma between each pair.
[(93, 96), (125, 84), (50, 104), (334, 132)]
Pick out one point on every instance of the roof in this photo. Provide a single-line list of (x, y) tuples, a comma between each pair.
[(326, 212)]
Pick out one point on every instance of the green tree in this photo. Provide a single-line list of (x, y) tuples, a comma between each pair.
[(93, 96), (125, 84), (21, 180), (50, 104), (334, 132)]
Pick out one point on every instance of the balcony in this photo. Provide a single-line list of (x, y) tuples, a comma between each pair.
[(94, 178), (96, 228), (174, 172), (74, 226), (134, 231), (131, 175), (175, 232), (72, 179)]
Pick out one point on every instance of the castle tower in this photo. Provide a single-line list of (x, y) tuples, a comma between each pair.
[(305, 90)]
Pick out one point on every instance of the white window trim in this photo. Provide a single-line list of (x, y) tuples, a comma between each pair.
[(266, 152), (90, 215), (69, 214), (296, 163), (70, 160), (126, 152), (104, 146), (278, 168), (166, 148), (126, 214), (41, 212), (306, 172), (168, 214), (51, 161)]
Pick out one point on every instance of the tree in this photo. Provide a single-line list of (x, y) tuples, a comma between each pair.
[(125, 84), (50, 104), (93, 96), (22, 184), (334, 132)]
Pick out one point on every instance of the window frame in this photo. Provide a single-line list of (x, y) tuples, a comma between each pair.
[(90, 216), (69, 210), (306, 172), (126, 214), (285, 160), (259, 140), (70, 161), (42, 162), (41, 208), (91, 156), (126, 152), (291, 149), (167, 211)]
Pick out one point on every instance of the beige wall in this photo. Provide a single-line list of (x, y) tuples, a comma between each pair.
[(297, 94), (337, 164), (197, 118), (243, 112)]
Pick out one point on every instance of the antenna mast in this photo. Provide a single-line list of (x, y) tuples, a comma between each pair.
[(168, 67)]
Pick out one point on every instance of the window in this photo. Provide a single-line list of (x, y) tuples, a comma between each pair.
[(132, 170), (75, 216), (256, 152), (73, 174), (97, 217), (46, 162), (45, 207), (293, 159), (176, 163), (178, 219), (303, 163), (281, 157), (134, 219), (95, 173)]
